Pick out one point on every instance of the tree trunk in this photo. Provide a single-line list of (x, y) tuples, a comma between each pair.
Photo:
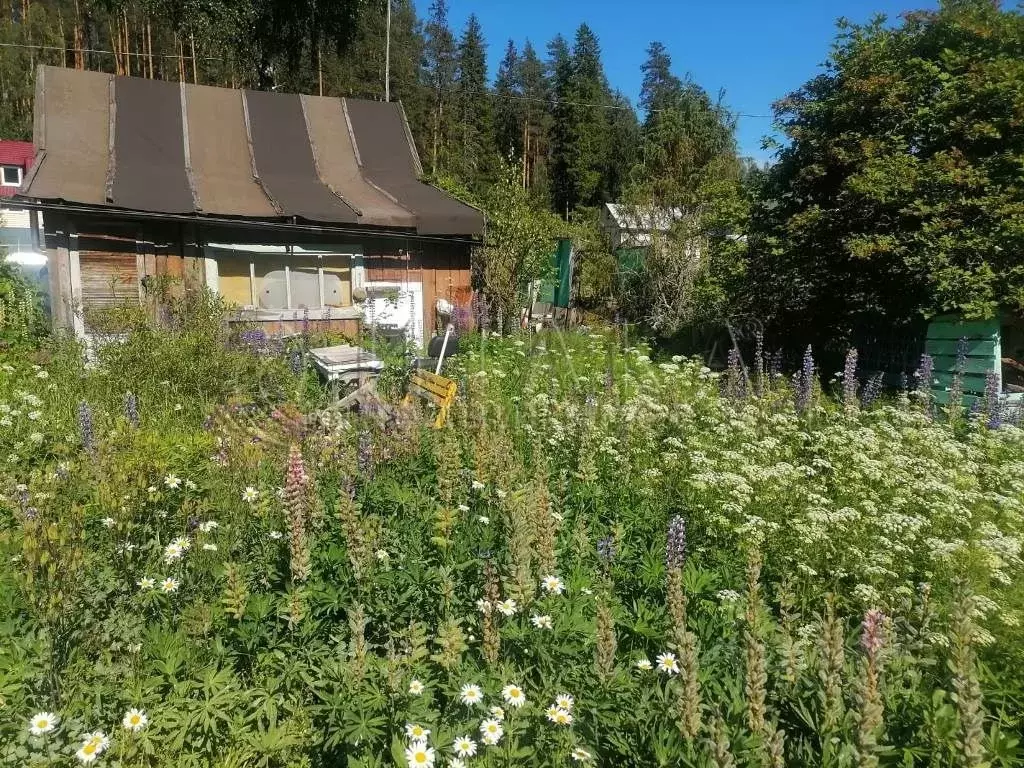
[(127, 45), (115, 40), (195, 62), (437, 130), (149, 46), (63, 40), (320, 65), (77, 38)]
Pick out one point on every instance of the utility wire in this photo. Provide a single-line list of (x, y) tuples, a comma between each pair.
[(491, 94)]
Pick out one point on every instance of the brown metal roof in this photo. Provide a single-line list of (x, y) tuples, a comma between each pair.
[(159, 147)]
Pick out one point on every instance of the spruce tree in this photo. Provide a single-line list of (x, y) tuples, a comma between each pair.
[(473, 153), (532, 83), (560, 74), (439, 64), (508, 106)]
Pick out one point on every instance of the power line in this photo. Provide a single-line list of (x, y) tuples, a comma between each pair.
[(491, 94)]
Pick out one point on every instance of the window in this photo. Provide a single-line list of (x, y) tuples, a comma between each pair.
[(283, 280), (11, 175)]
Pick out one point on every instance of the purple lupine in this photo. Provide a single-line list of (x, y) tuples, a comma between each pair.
[(775, 365), (872, 390), (734, 385), (872, 632), (804, 381), (131, 409), (925, 374), (193, 522), (993, 406), (85, 430), (850, 380), (31, 513), (606, 550), (759, 371), (675, 547), (956, 388), (295, 362), (365, 454)]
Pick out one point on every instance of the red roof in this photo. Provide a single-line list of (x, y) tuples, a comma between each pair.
[(18, 153)]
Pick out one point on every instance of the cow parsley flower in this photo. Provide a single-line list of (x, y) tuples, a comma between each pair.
[(42, 723), (135, 719), (208, 525), (471, 695)]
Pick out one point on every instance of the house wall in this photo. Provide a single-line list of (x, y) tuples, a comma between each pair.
[(98, 261)]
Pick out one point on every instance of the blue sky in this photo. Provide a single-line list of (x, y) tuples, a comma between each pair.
[(756, 50)]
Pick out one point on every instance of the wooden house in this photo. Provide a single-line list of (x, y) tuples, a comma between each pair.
[(293, 208)]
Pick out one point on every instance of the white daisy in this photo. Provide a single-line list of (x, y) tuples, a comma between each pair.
[(135, 719), (507, 607), (170, 585), (172, 552), (541, 622), (42, 723), (471, 695), (190, 485), (88, 752), (464, 746), (146, 582), (643, 665), (497, 713), (416, 687), (581, 755), (172, 481), (250, 494), (419, 754), (668, 664), (513, 695), (484, 606), (108, 522), (416, 732), (456, 762), (561, 717), (552, 585), (491, 730), (564, 701)]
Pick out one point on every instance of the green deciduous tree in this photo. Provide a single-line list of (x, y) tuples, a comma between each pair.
[(899, 193)]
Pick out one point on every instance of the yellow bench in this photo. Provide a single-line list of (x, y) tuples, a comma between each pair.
[(437, 389)]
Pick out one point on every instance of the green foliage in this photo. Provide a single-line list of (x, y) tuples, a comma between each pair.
[(22, 320), (903, 160)]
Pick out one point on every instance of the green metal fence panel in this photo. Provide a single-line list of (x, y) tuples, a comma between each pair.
[(563, 292), (979, 340)]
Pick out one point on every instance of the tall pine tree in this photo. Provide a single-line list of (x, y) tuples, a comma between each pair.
[(560, 76), (532, 84)]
